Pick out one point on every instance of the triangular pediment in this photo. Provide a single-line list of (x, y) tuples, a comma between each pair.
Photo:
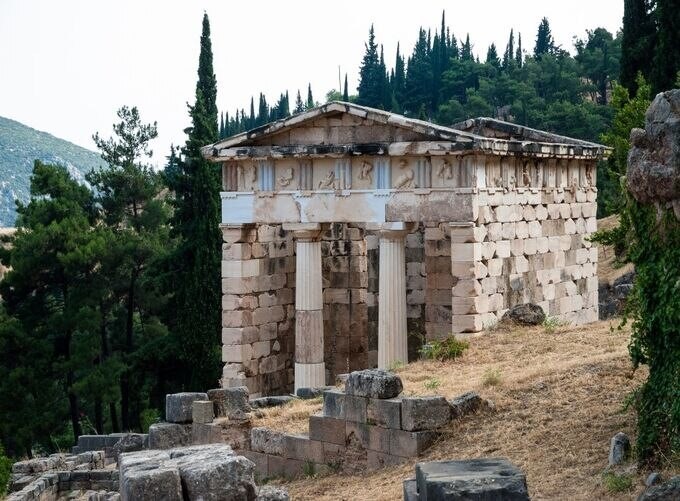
[(342, 123)]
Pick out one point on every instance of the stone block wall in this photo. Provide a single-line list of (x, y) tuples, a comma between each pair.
[(439, 281), (258, 304), (527, 245)]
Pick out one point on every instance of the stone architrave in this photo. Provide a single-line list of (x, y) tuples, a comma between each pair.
[(310, 369)]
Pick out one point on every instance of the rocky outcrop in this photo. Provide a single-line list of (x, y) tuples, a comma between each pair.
[(525, 314), (612, 297), (653, 174)]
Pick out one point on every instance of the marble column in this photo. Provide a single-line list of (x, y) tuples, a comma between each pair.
[(392, 333), (310, 369)]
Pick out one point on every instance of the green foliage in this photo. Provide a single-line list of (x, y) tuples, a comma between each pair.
[(550, 324), (432, 384), (149, 417), (617, 482), (447, 349), (637, 42), (492, 377), (309, 468), (628, 114), (5, 470)]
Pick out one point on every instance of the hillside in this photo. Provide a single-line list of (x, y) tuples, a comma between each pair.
[(20, 145), (559, 396)]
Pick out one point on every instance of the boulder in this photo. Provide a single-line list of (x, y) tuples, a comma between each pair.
[(151, 484), (473, 479), (619, 449), (271, 493), (129, 443), (667, 491), (653, 479), (653, 173), (230, 402), (465, 404), (525, 314), (168, 435), (178, 406), (373, 383), (424, 413)]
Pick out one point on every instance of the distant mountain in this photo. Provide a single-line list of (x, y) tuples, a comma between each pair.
[(20, 145)]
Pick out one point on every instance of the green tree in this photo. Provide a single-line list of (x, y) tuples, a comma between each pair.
[(310, 99), (371, 75), (544, 40), (196, 275), (418, 80), (299, 105), (637, 42), (666, 62), (345, 91), (492, 56)]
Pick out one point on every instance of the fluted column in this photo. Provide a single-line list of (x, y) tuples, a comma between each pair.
[(392, 342), (310, 369)]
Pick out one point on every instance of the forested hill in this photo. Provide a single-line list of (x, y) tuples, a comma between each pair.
[(20, 145)]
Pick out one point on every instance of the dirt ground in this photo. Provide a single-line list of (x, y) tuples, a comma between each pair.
[(559, 396)]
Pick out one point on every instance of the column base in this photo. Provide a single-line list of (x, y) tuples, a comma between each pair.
[(310, 375)]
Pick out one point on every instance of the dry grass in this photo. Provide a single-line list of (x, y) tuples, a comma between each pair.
[(560, 401), (289, 418), (607, 272)]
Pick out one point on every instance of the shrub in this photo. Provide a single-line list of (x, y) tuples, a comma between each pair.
[(551, 323), (492, 377), (5, 470), (447, 349), (432, 384), (615, 482), (308, 468)]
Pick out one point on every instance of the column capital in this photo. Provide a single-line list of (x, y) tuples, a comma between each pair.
[(304, 231), (394, 230), (235, 233)]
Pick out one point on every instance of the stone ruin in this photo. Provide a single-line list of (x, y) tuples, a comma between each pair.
[(353, 235)]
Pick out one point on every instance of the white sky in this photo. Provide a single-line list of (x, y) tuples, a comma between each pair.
[(66, 66)]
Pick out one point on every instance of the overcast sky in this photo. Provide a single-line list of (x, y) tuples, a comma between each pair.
[(66, 66)]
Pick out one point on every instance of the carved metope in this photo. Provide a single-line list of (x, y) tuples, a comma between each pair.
[(366, 172)]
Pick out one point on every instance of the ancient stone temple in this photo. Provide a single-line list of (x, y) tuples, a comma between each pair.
[(352, 236)]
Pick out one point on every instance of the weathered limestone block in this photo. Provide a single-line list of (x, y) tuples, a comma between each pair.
[(619, 449), (465, 404), (424, 413), (217, 474), (384, 412), (129, 442), (178, 406), (168, 435), (272, 493), (473, 479), (267, 441), (202, 411), (373, 383), (151, 484)]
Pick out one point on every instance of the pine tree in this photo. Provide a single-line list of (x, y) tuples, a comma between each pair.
[(544, 39), (509, 54), (492, 56), (666, 63), (466, 50), (310, 99), (299, 105), (637, 42), (418, 82), (262, 111), (345, 91), (399, 79), (196, 284)]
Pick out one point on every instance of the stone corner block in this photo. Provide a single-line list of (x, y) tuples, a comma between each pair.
[(178, 406), (424, 413), (168, 435), (202, 411)]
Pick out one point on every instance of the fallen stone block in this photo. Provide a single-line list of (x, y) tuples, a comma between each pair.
[(151, 484), (202, 411), (230, 402), (267, 441), (168, 435), (410, 490), (525, 314), (385, 413), (619, 449), (178, 406), (215, 475), (271, 493), (465, 404), (129, 443), (373, 383), (474, 479), (308, 393), (424, 413), (272, 401), (662, 492)]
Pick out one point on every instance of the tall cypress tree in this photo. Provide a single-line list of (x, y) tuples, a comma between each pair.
[(399, 78), (310, 99), (519, 57), (466, 50), (509, 54), (345, 91), (196, 278), (637, 42), (667, 53), (544, 39), (370, 90), (299, 105)]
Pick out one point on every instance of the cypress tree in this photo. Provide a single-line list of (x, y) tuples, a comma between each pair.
[(399, 78), (299, 105), (196, 278), (466, 50), (345, 91), (418, 83), (509, 54), (251, 121), (492, 56), (519, 56), (370, 90), (637, 42), (667, 53), (310, 99), (544, 39)]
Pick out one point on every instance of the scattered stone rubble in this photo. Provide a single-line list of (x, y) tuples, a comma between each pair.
[(473, 479)]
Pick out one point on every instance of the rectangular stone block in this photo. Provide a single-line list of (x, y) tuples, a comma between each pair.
[(202, 411), (410, 443), (334, 404), (377, 460), (355, 408), (385, 413), (326, 429), (260, 460), (302, 448), (206, 433), (467, 288), (470, 305), (466, 323), (242, 268), (370, 437), (236, 353), (284, 467)]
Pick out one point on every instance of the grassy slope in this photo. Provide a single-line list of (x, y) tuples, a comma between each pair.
[(19, 147), (559, 401)]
